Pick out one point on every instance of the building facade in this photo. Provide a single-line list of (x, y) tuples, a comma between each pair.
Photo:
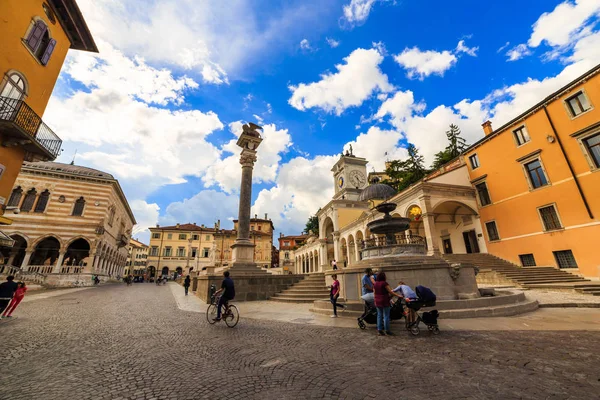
[(67, 219), (35, 36), (181, 249), (137, 258), (538, 181), (442, 209), (287, 246)]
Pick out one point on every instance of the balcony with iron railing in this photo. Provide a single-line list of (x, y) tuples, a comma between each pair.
[(21, 126)]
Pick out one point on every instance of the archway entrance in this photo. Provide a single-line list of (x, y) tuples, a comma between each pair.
[(179, 270), (457, 230), (151, 271), (15, 255), (45, 255), (328, 229), (165, 271), (76, 256)]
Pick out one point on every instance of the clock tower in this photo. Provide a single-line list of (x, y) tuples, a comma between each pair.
[(350, 177)]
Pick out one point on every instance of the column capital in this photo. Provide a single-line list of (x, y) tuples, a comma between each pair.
[(248, 158)]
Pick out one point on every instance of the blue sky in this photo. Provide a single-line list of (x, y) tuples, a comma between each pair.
[(161, 105)]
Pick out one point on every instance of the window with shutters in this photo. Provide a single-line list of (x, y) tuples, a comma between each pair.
[(195, 237), (483, 194), (40, 43), (29, 200), (15, 197), (154, 251), (40, 207), (167, 251), (550, 218), (578, 104), (156, 236), (182, 236), (492, 231), (207, 238), (180, 252), (78, 208), (205, 252)]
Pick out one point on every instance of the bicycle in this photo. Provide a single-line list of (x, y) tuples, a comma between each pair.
[(230, 314)]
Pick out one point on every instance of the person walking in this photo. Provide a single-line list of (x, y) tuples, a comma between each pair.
[(186, 284), (334, 265), (383, 292), (7, 290), (334, 294), (17, 297)]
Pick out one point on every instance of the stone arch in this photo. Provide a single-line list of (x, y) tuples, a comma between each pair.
[(360, 243), (46, 251), (344, 259), (15, 255), (41, 238), (78, 252)]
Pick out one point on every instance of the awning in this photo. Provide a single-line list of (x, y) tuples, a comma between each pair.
[(5, 240)]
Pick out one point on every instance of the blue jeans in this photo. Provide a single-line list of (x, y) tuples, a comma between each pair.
[(383, 319)]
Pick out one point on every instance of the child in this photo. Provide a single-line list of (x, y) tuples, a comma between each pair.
[(17, 297)]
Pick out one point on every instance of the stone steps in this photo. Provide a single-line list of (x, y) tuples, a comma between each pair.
[(307, 290), (528, 277)]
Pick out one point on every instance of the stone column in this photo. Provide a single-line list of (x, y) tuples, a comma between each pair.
[(336, 248), (95, 263), (243, 248), (429, 226), (25, 263), (58, 265), (323, 255)]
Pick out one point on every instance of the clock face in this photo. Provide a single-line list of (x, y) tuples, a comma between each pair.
[(357, 178), (340, 182)]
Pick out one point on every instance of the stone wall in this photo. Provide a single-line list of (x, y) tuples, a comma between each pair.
[(248, 288)]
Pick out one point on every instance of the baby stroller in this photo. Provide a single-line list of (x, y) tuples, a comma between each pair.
[(396, 313), (426, 298)]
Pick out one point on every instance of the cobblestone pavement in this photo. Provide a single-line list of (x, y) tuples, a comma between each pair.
[(115, 342)]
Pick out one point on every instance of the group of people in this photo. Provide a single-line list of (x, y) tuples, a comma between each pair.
[(376, 292), (11, 294)]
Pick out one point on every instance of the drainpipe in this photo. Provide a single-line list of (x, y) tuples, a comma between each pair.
[(162, 236), (585, 203)]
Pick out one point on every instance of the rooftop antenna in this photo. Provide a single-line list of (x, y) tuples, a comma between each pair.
[(73, 160)]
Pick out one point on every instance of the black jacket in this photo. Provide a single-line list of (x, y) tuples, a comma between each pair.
[(7, 289), (187, 281)]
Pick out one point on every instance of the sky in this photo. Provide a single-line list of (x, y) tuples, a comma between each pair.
[(162, 104)]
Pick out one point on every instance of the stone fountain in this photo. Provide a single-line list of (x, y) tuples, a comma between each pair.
[(403, 258)]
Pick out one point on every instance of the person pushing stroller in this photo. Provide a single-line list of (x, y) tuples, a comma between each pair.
[(408, 295)]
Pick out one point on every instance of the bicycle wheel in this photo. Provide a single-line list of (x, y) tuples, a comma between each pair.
[(232, 316), (211, 314)]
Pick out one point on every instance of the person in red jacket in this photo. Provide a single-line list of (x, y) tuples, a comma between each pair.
[(17, 297)]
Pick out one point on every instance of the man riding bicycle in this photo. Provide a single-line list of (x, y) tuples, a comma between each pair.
[(227, 293)]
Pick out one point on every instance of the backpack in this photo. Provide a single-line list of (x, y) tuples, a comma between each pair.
[(425, 294)]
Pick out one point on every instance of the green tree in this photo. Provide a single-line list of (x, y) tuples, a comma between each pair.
[(456, 145), (312, 225), (404, 173)]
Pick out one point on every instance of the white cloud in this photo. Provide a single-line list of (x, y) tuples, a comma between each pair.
[(566, 23), (146, 215), (332, 42), (357, 11), (212, 39), (226, 172), (503, 47), (206, 207), (421, 64), (355, 81), (375, 144), (462, 48), (518, 52), (305, 45)]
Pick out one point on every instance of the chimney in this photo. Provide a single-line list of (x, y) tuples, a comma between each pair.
[(266, 216), (202, 226), (194, 224), (280, 234), (487, 127), (157, 225), (255, 216), (177, 225), (219, 223)]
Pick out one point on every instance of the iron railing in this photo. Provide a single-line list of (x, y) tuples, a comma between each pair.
[(20, 114), (399, 239)]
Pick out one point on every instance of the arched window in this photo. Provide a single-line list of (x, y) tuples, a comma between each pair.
[(29, 200), (79, 206), (15, 86), (15, 197), (40, 207), (39, 42)]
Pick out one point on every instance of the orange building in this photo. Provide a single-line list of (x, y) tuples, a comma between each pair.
[(35, 36), (538, 182)]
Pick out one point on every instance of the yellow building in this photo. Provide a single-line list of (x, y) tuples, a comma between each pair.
[(137, 258), (538, 181), (35, 36), (181, 248), (261, 235)]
